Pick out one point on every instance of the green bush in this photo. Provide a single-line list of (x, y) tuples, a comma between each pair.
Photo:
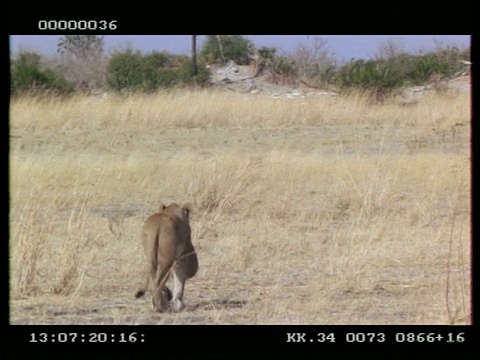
[(164, 78), (379, 77), (220, 49), (157, 71), (185, 74), (444, 62), (426, 66), (27, 75), (133, 71), (281, 65), (125, 71)]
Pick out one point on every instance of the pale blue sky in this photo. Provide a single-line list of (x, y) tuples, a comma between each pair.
[(344, 47)]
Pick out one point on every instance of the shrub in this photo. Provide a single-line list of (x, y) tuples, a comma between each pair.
[(443, 62), (379, 77), (136, 72), (185, 74), (281, 65), (27, 75), (157, 71), (124, 71), (426, 66), (282, 68)]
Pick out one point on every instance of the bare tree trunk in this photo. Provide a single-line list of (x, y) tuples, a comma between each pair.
[(194, 55), (219, 39)]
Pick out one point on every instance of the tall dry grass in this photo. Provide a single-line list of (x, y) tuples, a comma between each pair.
[(316, 210), (209, 108)]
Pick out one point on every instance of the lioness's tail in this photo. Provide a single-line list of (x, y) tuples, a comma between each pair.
[(151, 267)]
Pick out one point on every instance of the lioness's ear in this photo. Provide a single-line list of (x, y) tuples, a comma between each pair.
[(161, 207)]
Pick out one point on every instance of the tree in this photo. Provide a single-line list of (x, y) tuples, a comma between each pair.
[(83, 62), (222, 48), (82, 47), (315, 62)]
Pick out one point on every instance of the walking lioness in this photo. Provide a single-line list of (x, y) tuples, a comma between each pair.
[(166, 238)]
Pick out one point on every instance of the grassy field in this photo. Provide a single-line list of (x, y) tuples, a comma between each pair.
[(325, 210)]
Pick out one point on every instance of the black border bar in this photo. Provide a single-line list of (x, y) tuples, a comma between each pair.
[(244, 340)]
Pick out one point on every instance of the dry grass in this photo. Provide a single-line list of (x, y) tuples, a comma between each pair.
[(306, 211)]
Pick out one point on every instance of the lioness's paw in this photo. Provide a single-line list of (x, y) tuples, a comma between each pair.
[(177, 305)]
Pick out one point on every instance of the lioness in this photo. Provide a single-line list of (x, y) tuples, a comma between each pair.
[(168, 246)]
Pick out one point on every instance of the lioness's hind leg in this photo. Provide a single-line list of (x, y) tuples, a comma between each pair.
[(167, 293), (179, 278), (161, 293)]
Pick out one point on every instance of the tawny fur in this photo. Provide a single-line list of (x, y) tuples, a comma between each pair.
[(168, 247)]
